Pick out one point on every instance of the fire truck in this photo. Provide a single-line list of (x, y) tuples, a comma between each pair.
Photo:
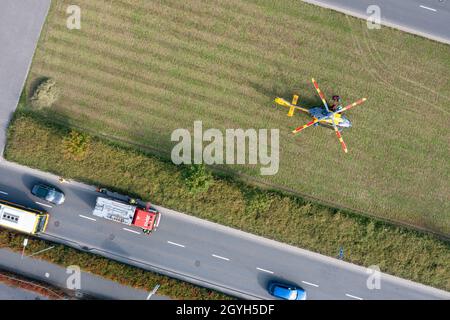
[(126, 210)]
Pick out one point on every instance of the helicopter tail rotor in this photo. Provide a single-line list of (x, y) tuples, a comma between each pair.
[(292, 106)]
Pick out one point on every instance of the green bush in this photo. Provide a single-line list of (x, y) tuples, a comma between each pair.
[(45, 94), (198, 179), (257, 203), (75, 145)]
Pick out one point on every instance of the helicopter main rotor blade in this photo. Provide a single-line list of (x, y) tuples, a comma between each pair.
[(338, 134), (321, 95), (309, 124), (360, 101)]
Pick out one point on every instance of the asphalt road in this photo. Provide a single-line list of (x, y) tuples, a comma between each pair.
[(198, 251), (12, 293), (20, 25), (427, 18), (90, 285)]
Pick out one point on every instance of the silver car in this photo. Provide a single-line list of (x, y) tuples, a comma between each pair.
[(48, 193)]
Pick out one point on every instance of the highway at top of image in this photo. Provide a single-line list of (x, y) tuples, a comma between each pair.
[(198, 251), (427, 18)]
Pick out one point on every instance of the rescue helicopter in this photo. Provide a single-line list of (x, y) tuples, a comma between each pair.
[(323, 116)]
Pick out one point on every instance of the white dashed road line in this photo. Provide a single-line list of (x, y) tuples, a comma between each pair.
[(264, 270), (354, 297), (176, 244), (428, 8), (3, 192), (311, 284), (131, 230), (43, 204), (220, 257), (89, 218)]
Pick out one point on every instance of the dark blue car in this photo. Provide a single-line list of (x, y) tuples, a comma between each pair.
[(286, 292)]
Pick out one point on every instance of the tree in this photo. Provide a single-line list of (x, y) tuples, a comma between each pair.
[(197, 178), (75, 145)]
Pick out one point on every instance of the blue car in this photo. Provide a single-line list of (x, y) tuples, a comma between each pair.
[(286, 292)]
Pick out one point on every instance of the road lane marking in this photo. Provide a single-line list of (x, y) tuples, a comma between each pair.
[(89, 218), (43, 204), (176, 244), (129, 230), (354, 297), (220, 257), (264, 270), (311, 284), (3, 192), (428, 8)]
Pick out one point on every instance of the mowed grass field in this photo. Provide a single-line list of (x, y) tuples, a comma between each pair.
[(137, 70)]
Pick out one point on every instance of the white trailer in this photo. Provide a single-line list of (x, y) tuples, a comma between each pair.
[(114, 210), (130, 215)]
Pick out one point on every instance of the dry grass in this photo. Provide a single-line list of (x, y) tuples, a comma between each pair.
[(137, 70)]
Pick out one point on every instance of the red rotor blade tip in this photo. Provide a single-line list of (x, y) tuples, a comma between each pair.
[(296, 130), (344, 147)]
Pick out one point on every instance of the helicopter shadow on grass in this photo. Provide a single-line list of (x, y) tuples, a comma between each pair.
[(285, 91)]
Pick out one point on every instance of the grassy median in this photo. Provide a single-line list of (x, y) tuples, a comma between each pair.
[(139, 69), (35, 142)]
